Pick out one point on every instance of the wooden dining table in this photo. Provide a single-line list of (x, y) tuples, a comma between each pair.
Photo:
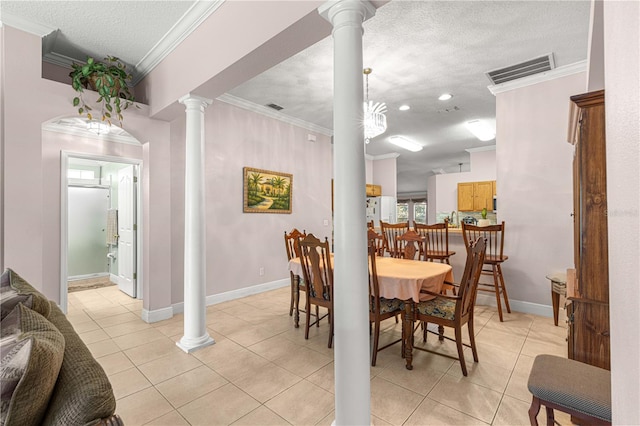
[(403, 279)]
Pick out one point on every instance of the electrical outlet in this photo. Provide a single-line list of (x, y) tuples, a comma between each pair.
[(325, 222), (261, 272)]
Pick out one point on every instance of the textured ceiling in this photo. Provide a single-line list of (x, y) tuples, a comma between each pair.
[(417, 49)]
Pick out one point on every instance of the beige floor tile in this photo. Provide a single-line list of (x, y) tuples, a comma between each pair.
[(500, 338), (484, 374), (152, 351), (329, 419), (250, 336), (93, 336), (223, 406), (142, 407), (302, 404), (128, 382), (467, 397), (126, 328), (226, 324), (100, 313), (428, 360), (419, 380), (115, 363), (117, 319), (170, 329), (220, 352), (391, 402), (138, 338), (103, 348), (512, 411), (168, 366), (85, 326), (173, 418), (274, 348), (267, 382), (533, 347), (261, 416), (517, 386), (495, 355), (430, 412), (242, 363), (78, 318), (324, 378), (191, 385), (303, 361)]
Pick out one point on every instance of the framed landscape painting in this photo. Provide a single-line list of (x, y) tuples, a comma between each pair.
[(266, 191)]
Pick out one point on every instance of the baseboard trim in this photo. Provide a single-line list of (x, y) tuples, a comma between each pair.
[(88, 276), (157, 314), (113, 278), (518, 306), (214, 299)]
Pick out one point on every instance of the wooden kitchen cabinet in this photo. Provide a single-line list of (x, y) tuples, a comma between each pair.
[(374, 190), (475, 196), (588, 310)]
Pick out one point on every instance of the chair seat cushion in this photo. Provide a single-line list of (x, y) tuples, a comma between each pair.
[(388, 305), (438, 307), (572, 384)]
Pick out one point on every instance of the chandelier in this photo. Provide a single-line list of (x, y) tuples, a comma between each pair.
[(375, 122)]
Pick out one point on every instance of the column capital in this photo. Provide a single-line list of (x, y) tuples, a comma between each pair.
[(195, 101), (330, 9)]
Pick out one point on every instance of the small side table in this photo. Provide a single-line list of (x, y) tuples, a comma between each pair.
[(558, 287)]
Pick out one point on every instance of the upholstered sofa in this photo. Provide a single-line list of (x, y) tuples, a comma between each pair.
[(48, 374)]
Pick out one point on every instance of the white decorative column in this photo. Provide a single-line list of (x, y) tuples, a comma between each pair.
[(195, 330), (351, 271)]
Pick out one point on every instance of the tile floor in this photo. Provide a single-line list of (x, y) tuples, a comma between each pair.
[(262, 371)]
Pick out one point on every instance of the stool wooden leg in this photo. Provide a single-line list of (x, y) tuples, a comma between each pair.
[(550, 419), (504, 289), (555, 301), (533, 411), (496, 286)]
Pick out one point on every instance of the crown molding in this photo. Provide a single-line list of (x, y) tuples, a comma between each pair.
[(58, 59), (482, 148), (269, 112), (192, 18), (41, 30), (563, 71)]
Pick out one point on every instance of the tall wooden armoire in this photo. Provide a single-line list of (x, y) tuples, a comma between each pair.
[(588, 310)]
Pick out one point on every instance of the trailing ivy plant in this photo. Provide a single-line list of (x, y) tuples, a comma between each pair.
[(109, 78)]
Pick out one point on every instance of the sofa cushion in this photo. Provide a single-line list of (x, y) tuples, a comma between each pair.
[(83, 393), (14, 289), (31, 351)]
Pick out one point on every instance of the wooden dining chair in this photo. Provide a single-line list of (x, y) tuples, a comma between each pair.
[(390, 232), (293, 251), (380, 308), (410, 245), (455, 311), (315, 257), (437, 241), (494, 236)]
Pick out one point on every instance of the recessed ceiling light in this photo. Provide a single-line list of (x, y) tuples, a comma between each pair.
[(404, 108), (405, 143), (445, 97), (481, 130)]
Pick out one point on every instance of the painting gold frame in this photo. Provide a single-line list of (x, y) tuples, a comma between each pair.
[(266, 191)]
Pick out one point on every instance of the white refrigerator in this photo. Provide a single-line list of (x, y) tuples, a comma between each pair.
[(381, 208)]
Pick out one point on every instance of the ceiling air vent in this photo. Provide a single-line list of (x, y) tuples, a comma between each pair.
[(275, 106), (523, 69)]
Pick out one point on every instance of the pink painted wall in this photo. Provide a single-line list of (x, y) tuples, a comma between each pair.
[(238, 243), (31, 165), (385, 174), (534, 175)]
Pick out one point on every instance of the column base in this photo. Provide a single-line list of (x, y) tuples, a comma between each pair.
[(191, 345)]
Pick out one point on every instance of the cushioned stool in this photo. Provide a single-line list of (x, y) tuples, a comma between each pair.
[(579, 389)]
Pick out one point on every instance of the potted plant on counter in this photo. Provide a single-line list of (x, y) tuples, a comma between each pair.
[(484, 221), (109, 78)]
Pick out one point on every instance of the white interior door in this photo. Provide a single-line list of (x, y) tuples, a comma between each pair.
[(126, 230)]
